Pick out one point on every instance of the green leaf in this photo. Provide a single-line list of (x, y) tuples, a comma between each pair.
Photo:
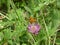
[(7, 34), (28, 9), (39, 7)]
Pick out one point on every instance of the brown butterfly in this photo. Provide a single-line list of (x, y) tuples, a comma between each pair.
[(32, 20)]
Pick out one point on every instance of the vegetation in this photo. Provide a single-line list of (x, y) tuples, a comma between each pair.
[(15, 18)]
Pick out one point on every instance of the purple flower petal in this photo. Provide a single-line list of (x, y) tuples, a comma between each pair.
[(33, 28)]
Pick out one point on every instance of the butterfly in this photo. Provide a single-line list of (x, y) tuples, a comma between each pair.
[(32, 20)]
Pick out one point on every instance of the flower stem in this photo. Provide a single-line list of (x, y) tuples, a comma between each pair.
[(46, 29)]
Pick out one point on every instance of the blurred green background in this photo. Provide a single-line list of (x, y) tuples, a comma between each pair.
[(14, 20)]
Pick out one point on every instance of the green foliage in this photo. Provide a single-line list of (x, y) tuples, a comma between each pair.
[(13, 25)]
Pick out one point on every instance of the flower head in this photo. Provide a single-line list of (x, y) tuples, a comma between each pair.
[(33, 28)]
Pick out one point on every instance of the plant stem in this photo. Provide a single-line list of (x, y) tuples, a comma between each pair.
[(54, 40), (46, 29), (49, 40), (46, 42)]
